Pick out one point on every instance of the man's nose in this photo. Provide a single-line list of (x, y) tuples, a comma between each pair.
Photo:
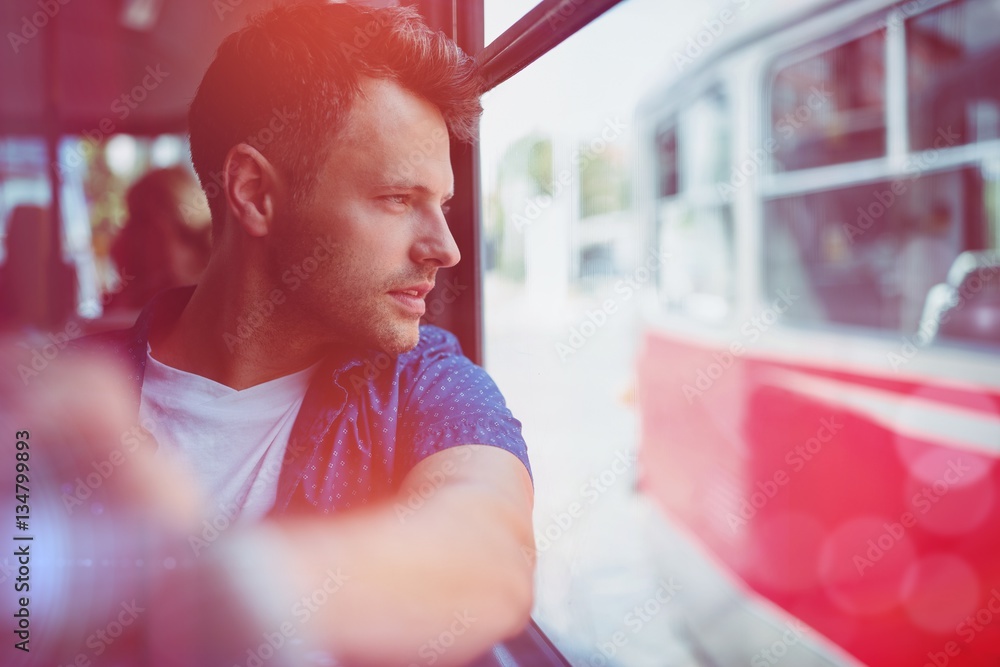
[(436, 245)]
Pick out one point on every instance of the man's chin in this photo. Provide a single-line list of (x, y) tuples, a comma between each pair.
[(400, 339)]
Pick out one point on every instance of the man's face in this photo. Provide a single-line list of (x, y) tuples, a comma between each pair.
[(374, 227)]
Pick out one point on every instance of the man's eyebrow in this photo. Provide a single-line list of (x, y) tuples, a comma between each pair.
[(403, 185)]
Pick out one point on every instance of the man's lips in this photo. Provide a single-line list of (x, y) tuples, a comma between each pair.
[(411, 298), (419, 290)]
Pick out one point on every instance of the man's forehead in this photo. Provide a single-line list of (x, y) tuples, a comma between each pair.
[(393, 138), (386, 110)]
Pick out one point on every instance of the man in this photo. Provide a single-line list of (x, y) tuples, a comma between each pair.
[(294, 382)]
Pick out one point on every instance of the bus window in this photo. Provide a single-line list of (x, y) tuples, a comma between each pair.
[(666, 160), (704, 152), (37, 283), (25, 180), (868, 255), (830, 108), (698, 280), (948, 50), (696, 227)]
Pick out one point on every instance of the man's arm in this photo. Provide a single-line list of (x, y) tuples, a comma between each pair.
[(436, 574), (445, 569)]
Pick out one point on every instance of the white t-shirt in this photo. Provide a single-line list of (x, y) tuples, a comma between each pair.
[(232, 441)]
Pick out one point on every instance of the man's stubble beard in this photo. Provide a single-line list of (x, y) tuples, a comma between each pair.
[(380, 328), (365, 321), (338, 304)]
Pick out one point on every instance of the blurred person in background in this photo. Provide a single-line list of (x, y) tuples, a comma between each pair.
[(37, 286), (166, 240)]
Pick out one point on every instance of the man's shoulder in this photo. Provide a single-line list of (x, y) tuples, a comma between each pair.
[(437, 358), (446, 400)]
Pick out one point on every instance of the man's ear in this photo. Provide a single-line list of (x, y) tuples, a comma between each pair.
[(253, 187)]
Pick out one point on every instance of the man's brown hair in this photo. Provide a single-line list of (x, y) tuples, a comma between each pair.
[(286, 81)]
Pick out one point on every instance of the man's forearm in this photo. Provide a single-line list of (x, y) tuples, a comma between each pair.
[(380, 586)]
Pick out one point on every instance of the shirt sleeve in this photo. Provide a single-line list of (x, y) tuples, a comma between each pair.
[(449, 401)]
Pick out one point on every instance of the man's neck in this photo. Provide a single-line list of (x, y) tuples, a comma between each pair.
[(215, 338)]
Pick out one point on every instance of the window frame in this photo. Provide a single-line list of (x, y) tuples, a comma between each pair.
[(543, 28), (695, 196), (803, 52)]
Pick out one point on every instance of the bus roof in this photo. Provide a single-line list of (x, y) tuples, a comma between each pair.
[(765, 19), (127, 66)]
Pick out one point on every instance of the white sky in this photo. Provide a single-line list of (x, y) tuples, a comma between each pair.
[(602, 71)]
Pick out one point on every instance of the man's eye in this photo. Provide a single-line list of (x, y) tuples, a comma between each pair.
[(396, 199)]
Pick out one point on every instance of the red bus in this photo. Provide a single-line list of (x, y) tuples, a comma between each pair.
[(819, 375)]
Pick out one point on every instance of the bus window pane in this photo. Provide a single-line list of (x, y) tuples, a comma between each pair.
[(666, 161), (870, 255), (830, 108), (569, 269), (502, 14), (25, 181), (695, 228), (36, 290), (705, 142), (948, 52), (697, 282)]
